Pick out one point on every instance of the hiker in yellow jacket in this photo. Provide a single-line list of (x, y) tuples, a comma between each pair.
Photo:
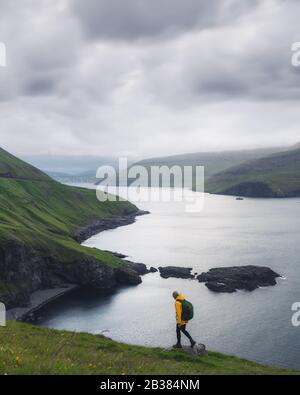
[(180, 323)]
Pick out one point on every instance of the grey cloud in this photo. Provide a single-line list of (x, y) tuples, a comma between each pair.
[(99, 76), (42, 44), (40, 86), (135, 19), (249, 60)]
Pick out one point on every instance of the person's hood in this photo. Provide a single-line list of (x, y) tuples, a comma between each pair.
[(180, 297)]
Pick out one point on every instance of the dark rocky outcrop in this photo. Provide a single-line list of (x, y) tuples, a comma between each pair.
[(24, 270), (230, 279), (153, 270), (116, 254), (177, 272), (139, 268), (220, 287), (127, 276), (198, 350), (96, 226)]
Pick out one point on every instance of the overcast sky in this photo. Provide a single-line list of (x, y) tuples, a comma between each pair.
[(148, 77)]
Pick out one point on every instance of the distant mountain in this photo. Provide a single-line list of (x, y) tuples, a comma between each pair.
[(213, 162), (276, 175), (86, 177), (69, 164), (72, 169)]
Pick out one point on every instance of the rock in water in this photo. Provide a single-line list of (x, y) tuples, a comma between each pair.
[(230, 279), (220, 287), (174, 271), (127, 276), (140, 268)]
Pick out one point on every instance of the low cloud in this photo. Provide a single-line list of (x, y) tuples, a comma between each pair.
[(138, 19), (145, 78)]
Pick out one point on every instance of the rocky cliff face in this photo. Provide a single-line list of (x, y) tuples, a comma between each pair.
[(24, 270), (39, 252)]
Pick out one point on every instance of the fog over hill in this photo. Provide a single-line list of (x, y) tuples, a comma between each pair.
[(276, 175)]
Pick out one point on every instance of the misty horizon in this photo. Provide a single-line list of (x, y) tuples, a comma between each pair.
[(137, 158)]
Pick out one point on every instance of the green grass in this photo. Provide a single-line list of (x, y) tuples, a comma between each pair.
[(277, 175), (43, 214), (39, 212), (26, 349), (13, 167)]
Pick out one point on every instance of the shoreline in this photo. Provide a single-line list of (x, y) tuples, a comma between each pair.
[(41, 298), (100, 225), (38, 300), (34, 312)]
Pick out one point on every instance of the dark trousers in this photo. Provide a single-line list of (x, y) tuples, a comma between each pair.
[(181, 328)]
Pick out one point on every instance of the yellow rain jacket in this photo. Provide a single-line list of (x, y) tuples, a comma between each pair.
[(178, 308)]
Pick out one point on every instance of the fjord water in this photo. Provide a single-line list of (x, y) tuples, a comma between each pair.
[(227, 232)]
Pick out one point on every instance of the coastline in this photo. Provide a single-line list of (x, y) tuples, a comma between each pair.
[(99, 225), (41, 298), (36, 313), (38, 300)]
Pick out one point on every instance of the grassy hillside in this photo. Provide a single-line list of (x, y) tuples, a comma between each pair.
[(11, 167), (41, 214), (277, 175), (214, 162), (25, 349)]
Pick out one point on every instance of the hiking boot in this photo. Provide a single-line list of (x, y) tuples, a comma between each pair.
[(193, 343), (177, 345)]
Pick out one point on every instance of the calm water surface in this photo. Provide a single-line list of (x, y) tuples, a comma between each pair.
[(226, 232)]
